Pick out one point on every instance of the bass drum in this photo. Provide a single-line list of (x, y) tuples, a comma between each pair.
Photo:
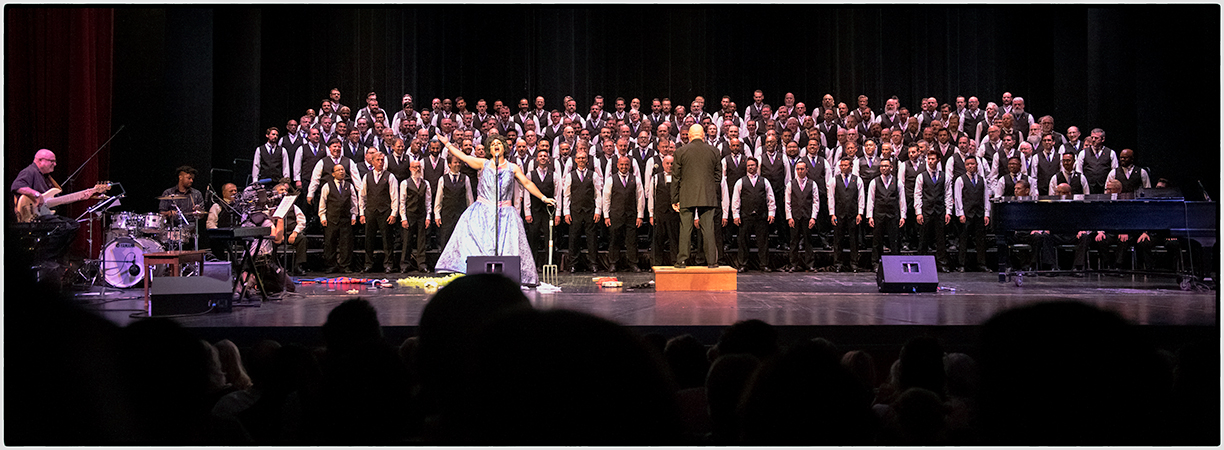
[(121, 254)]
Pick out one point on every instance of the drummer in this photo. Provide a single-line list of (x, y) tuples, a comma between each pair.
[(190, 199)]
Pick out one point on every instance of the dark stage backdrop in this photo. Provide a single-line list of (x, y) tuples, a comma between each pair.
[(199, 85)]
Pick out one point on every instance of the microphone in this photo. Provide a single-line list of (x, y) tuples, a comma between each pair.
[(262, 181), (133, 269)]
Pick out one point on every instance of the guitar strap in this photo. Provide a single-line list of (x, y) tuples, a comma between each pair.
[(54, 183)]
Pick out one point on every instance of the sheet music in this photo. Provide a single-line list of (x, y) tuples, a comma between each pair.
[(285, 204)]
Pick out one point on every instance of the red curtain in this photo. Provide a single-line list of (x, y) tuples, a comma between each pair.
[(58, 83)]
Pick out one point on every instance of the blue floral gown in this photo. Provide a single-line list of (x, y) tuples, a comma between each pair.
[(473, 235)]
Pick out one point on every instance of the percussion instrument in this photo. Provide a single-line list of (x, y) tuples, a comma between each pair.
[(151, 223), (123, 260)]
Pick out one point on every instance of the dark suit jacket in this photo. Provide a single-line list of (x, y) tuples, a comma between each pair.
[(696, 170)]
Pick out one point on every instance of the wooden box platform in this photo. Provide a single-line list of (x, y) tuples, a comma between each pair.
[(694, 278)]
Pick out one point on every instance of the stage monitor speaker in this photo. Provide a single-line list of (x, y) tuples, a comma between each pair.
[(504, 265), (187, 295), (907, 273), (219, 270)]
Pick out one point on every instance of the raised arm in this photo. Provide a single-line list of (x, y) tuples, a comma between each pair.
[(471, 161)]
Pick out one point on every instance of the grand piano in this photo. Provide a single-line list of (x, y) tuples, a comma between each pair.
[(1195, 220)]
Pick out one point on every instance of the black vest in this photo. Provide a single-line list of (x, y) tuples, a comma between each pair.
[(414, 200), (309, 161), (801, 202), (339, 203), (290, 220), (400, 169), (270, 164), (972, 197), (546, 185), (582, 193), (753, 200), (378, 194), (1047, 170), (932, 194), (912, 171), (736, 171), (454, 197), (1009, 183), (1097, 168), (432, 172), (1076, 187), (326, 176), (775, 171), (473, 176), (970, 120), (623, 201), (662, 198), (868, 172), (887, 123), (887, 200), (1131, 183), (845, 196), (830, 135), (958, 165)]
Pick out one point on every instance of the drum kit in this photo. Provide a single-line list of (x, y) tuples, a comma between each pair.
[(130, 235)]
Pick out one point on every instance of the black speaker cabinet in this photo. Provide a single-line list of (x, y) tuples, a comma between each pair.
[(907, 273), (504, 265), (187, 295)]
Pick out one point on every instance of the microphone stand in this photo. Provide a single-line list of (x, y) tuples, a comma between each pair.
[(95, 153)]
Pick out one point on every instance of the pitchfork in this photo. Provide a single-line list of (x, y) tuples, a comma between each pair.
[(549, 270)]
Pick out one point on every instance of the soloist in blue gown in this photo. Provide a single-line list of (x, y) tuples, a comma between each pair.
[(473, 235)]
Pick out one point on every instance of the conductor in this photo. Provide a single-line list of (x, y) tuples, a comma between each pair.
[(696, 170)]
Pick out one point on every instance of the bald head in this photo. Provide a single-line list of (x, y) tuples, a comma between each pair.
[(696, 132), (45, 161), (1062, 189)]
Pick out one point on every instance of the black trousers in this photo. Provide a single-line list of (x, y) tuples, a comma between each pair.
[(1144, 249), (932, 229), (448, 227), (299, 247), (885, 224), (801, 233), (758, 226), (707, 216), (666, 233), (376, 222), (911, 229), (973, 228), (845, 229), (414, 242), (337, 235), (622, 233), (583, 224), (537, 234)]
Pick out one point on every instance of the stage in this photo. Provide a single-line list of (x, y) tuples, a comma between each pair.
[(847, 306)]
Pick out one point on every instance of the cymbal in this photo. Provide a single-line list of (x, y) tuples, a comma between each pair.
[(196, 213), (172, 197)]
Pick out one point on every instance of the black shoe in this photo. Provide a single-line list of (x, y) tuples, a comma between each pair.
[(712, 266), (984, 269), (943, 269), (423, 269), (875, 267), (742, 269), (592, 269), (635, 269), (1078, 274), (766, 269), (388, 269), (960, 269), (404, 268), (854, 269), (573, 269), (788, 269), (367, 269), (332, 269)]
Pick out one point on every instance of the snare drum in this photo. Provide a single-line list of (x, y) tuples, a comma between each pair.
[(123, 223), (120, 255), (151, 223)]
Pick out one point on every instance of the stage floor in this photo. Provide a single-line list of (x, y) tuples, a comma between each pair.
[(782, 299)]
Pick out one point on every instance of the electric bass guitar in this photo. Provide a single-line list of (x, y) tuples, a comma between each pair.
[(27, 211)]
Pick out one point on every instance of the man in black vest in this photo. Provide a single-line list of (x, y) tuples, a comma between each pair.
[(1005, 185), (379, 205), (337, 202), (291, 140), (908, 172), (819, 171), (582, 208), (536, 213), (663, 218), (846, 204), (1096, 162), (623, 200), (1130, 176), (414, 210), (1073, 144), (1068, 175), (972, 201), (452, 199), (752, 208), (932, 207), (320, 175), (398, 161), (885, 203), (271, 160), (772, 166), (1047, 163), (294, 230), (802, 208)]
